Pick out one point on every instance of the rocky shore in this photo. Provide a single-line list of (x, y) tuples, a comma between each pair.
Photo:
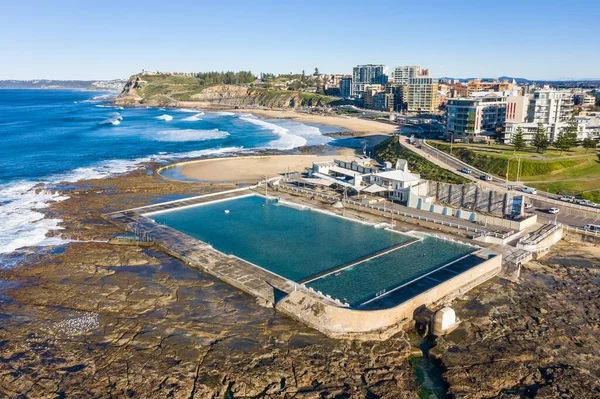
[(90, 319)]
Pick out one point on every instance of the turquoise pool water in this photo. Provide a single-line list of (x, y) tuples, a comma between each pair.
[(301, 244), (291, 242), (360, 283)]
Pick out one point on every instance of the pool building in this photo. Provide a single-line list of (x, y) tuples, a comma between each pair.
[(344, 277)]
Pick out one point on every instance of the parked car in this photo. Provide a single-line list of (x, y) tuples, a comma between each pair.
[(553, 211), (595, 228), (529, 190), (585, 202), (567, 198), (465, 170), (485, 177), (528, 205)]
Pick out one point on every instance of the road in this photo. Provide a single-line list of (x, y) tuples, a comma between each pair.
[(569, 214)]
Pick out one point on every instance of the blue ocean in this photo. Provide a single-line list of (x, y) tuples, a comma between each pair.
[(53, 136)]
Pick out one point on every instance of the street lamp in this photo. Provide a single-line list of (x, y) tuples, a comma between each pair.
[(508, 169)]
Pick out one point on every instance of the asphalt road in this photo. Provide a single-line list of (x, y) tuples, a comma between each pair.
[(569, 214)]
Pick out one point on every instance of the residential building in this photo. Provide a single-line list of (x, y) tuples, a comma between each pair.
[(516, 108), (365, 75), (588, 127), (420, 94), (477, 85), (402, 74), (346, 87), (476, 117), (551, 107), (584, 100)]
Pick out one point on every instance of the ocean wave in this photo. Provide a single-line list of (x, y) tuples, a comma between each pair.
[(23, 225), (165, 117), (189, 135), (21, 222), (114, 119), (190, 110), (222, 113), (286, 140), (193, 118)]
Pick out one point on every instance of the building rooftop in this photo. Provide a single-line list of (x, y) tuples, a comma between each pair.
[(398, 175)]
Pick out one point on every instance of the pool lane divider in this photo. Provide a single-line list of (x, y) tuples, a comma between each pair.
[(386, 293), (355, 262)]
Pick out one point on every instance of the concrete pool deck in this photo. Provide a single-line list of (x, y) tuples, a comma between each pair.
[(329, 316)]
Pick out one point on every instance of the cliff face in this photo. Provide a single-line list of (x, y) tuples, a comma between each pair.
[(185, 92)]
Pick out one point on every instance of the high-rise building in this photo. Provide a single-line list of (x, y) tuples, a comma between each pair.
[(346, 87), (402, 74), (367, 74), (420, 94), (550, 107)]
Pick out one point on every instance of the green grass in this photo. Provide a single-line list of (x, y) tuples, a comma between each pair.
[(390, 150), (496, 162)]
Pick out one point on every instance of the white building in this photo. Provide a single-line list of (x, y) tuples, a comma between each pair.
[(402, 74), (362, 176), (398, 182), (476, 116), (551, 107)]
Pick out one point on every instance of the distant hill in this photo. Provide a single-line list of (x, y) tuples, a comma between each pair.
[(113, 85)]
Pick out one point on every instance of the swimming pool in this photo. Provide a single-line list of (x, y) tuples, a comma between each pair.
[(348, 260)]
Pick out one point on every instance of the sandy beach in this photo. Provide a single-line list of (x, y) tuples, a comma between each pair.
[(253, 169)]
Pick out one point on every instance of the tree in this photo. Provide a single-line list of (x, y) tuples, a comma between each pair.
[(541, 141), (562, 142), (316, 72), (567, 138), (518, 141), (589, 143)]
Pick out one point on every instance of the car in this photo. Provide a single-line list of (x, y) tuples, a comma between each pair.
[(529, 190), (567, 198), (554, 211), (465, 170), (485, 177), (595, 228), (528, 205), (585, 202)]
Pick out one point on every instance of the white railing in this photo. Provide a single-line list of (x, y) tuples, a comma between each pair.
[(583, 231), (526, 241)]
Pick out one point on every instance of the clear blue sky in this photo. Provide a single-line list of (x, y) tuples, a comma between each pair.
[(80, 39)]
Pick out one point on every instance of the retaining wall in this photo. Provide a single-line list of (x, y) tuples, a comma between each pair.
[(340, 322)]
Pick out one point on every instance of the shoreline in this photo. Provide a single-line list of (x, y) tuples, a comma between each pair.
[(354, 125)]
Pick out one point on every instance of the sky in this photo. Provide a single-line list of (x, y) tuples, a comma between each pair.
[(74, 39)]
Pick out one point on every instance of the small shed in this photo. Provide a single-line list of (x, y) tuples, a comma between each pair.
[(444, 321)]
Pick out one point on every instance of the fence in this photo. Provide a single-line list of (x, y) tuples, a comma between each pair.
[(474, 230)]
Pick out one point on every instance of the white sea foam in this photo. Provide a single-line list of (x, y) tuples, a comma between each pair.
[(114, 119), (193, 118), (165, 117), (286, 140), (189, 135), (224, 113), (21, 222), (23, 225), (191, 110)]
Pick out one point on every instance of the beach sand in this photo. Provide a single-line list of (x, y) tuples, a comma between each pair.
[(360, 127), (253, 169)]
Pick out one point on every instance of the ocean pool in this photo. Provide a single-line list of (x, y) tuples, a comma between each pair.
[(348, 260)]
